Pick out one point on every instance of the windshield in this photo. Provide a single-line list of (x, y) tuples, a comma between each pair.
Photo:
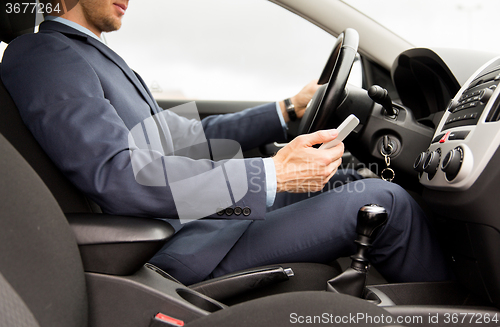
[(462, 24)]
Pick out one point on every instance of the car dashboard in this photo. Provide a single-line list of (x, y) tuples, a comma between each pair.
[(459, 169), (467, 136)]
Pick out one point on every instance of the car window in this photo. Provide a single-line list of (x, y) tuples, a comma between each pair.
[(461, 24), (3, 46), (220, 49)]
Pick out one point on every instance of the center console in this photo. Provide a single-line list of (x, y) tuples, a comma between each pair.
[(467, 136), (461, 178)]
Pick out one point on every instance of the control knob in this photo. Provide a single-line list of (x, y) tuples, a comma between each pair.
[(418, 165), (431, 163), (452, 163)]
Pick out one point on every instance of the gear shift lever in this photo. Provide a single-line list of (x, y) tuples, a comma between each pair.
[(352, 281), (370, 218)]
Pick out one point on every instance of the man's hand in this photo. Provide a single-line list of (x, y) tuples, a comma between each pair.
[(300, 168), (301, 99)]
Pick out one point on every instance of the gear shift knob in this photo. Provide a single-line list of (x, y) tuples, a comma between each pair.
[(353, 281), (370, 218)]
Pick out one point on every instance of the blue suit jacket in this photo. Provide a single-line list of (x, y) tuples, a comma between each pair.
[(80, 100)]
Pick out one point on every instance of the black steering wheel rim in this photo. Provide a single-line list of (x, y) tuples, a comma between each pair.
[(334, 80)]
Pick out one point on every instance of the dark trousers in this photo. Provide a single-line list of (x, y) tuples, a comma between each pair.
[(320, 227)]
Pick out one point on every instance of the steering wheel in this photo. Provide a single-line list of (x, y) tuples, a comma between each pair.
[(333, 81)]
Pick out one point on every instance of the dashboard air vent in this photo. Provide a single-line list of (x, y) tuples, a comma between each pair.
[(494, 114)]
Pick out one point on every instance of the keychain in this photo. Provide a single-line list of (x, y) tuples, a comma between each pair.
[(387, 173)]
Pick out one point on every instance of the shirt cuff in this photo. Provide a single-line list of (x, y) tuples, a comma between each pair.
[(282, 120), (271, 182)]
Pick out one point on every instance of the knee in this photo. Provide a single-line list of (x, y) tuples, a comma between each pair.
[(401, 207), (386, 194)]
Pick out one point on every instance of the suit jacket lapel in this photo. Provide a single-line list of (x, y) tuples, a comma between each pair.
[(156, 109), (110, 54), (125, 68)]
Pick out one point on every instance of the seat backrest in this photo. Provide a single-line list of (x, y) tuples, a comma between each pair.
[(13, 24), (41, 273), (70, 199), (12, 127)]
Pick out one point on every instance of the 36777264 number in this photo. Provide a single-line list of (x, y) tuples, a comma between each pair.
[(31, 7)]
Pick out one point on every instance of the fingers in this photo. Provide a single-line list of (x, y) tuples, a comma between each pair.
[(313, 86), (335, 152), (310, 88), (308, 140), (330, 170), (302, 168), (301, 99), (334, 166), (317, 185)]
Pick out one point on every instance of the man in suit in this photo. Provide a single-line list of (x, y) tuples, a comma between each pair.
[(81, 100)]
